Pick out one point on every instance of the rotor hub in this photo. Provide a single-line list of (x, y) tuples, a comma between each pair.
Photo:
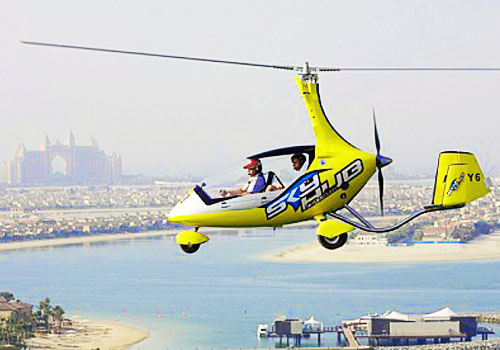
[(307, 74)]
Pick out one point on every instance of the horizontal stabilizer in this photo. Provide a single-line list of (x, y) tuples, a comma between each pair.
[(459, 179)]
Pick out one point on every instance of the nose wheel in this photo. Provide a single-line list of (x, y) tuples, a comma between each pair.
[(190, 241), (190, 248)]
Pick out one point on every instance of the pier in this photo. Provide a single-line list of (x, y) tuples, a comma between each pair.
[(390, 329), (294, 329), (305, 334), (349, 336)]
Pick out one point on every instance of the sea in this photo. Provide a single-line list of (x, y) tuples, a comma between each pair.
[(216, 298)]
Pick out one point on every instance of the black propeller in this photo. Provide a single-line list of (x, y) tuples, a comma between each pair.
[(380, 163)]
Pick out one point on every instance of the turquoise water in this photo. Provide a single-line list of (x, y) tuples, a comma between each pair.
[(217, 297)]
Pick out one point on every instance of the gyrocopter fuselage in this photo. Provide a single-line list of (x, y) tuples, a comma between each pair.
[(335, 172)]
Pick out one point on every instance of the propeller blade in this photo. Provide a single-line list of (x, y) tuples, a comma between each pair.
[(377, 140), (381, 162), (381, 191)]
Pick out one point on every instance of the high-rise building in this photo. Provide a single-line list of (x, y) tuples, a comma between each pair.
[(83, 164)]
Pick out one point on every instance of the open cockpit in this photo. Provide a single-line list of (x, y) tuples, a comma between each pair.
[(279, 168)]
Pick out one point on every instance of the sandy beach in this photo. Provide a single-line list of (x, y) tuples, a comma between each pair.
[(82, 240), (90, 334), (483, 248)]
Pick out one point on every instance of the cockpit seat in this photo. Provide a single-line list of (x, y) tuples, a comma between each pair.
[(270, 178)]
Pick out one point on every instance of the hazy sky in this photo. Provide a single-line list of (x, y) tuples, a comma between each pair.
[(173, 117)]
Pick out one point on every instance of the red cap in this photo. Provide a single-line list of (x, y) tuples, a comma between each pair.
[(254, 163)]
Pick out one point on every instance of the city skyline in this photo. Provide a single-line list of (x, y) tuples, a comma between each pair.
[(58, 164)]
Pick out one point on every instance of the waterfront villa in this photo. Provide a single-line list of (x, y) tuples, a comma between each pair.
[(8, 308)]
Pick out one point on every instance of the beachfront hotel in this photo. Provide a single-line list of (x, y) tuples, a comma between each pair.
[(82, 164)]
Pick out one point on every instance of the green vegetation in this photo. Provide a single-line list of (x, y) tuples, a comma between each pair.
[(21, 323), (418, 235), (396, 237), (412, 232), (15, 330), (415, 231), (467, 233), (7, 296)]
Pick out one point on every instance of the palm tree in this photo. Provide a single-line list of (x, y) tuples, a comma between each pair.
[(25, 328), (57, 314), (18, 325), (44, 311), (8, 296), (15, 329), (12, 328), (2, 330)]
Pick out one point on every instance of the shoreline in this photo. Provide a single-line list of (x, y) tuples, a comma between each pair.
[(53, 242), (486, 247), (81, 240), (85, 334)]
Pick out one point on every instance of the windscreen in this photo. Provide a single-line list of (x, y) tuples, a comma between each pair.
[(235, 176)]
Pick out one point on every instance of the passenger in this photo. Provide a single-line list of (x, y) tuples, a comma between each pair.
[(298, 160), (256, 182)]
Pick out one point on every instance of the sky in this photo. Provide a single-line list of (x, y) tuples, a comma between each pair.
[(171, 117)]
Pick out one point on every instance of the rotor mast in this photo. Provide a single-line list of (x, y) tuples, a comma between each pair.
[(307, 74)]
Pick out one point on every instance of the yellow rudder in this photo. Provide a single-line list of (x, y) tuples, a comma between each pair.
[(459, 179)]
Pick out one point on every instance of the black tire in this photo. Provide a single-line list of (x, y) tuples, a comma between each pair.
[(190, 249), (333, 243)]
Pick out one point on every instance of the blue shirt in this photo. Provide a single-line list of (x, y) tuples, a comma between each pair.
[(255, 184)]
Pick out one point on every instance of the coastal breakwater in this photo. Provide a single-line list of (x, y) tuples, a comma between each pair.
[(487, 317), (475, 345), (493, 344)]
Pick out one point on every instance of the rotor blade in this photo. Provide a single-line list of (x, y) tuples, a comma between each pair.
[(375, 69), (381, 191), (161, 55), (274, 66), (377, 140)]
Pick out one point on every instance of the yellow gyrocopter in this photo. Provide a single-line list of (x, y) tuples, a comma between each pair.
[(334, 172)]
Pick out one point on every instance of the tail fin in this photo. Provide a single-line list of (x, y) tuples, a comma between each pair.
[(459, 179)]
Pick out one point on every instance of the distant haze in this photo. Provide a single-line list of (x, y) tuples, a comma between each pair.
[(174, 117)]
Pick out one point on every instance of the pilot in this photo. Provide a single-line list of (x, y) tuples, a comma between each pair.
[(256, 181)]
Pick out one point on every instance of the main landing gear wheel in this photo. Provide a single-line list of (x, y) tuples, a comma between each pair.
[(333, 243), (190, 248)]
